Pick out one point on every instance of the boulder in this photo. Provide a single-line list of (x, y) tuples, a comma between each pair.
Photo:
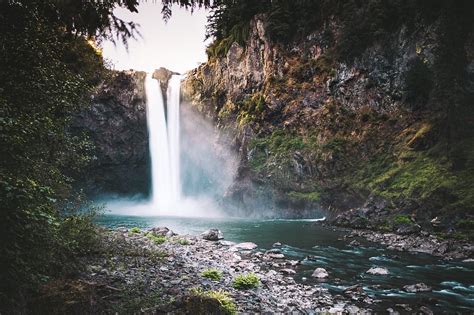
[(212, 235), (275, 256), (288, 271), (378, 271), (162, 231), (320, 273), (226, 243), (419, 287), (245, 246), (406, 229)]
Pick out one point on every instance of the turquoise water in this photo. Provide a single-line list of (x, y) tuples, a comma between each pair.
[(452, 282)]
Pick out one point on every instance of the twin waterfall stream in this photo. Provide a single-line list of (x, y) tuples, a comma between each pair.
[(163, 130)]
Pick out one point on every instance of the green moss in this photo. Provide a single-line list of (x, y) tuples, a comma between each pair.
[(213, 274), (251, 108), (246, 281), (206, 301), (183, 241), (313, 196), (135, 230), (402, 219), (157, 239), (385, 227)]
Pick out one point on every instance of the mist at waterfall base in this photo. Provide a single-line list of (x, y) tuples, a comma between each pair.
[(190, 164)]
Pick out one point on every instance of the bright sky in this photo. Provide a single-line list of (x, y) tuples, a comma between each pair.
[(177, 45)]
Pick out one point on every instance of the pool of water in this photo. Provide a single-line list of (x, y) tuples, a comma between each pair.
[(452, 282)]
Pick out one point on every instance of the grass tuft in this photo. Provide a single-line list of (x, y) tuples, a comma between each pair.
[(213, 274), (246, 281)]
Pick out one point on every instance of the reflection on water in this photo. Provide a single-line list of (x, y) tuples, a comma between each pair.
[(317, 246)]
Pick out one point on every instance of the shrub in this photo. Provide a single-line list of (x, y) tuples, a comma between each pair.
[(135, 230), (402, 219), (183, 241), (225, 303), (213, 274), (246, 281), (156, 239)]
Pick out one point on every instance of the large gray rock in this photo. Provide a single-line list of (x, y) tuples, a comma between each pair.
[(212, 235), (320, 273), (162, 231), (378, 271), (419, 287), (245, 246)]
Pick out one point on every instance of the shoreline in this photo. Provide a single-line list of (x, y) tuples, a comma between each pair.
[(133, 272)]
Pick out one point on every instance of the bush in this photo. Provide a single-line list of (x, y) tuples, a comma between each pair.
[(225, 303), (157, 239), (402, 219), (213, 274), (246, 281), (135, 230), (183, 241)]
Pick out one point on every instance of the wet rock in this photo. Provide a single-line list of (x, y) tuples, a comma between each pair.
[(288, 271), (419, 287), (320, 273), (245, 246), (275, 256), (378, 271), (406, 229), (212, 235), (162, 231), (277, 244), (273, 251), (226, 243), (425, 310), (354, 243)]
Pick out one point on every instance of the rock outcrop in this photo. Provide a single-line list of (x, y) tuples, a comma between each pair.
[(317, 128), (116, 125)]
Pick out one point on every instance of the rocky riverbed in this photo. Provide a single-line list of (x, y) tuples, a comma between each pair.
[(154, 271), (135, 263)]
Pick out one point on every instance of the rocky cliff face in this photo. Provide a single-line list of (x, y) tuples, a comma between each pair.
[(116, 124), (375, 133)]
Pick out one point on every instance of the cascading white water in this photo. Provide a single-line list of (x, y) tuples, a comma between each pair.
[(164, 144), (173, 102)]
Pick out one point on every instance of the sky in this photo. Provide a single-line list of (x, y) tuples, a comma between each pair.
[(177, 45)]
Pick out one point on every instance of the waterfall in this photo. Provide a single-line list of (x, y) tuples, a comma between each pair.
[(173, 100), (163, 131)]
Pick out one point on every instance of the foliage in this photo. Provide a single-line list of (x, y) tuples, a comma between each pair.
[(225, 302), (213, 274), (246, 281), (157, 239), (402, 219), (135, 230), (251, 108), (313, 196), (183, 241)]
